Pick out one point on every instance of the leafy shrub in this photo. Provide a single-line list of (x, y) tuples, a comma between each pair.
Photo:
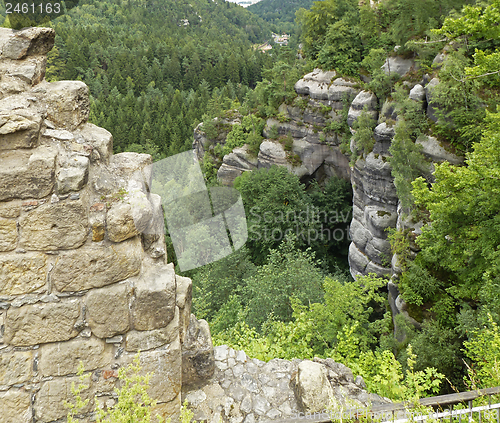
[(273, 132), (407, 163), (363, 138), (235, 138), (133, 402)]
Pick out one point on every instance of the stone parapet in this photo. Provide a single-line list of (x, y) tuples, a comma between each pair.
[(80, 282)]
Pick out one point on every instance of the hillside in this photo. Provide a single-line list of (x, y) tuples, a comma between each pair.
[(278, 11)]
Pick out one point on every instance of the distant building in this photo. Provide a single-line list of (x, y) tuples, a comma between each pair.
[(244, 3), (282, 40), (265, 47)]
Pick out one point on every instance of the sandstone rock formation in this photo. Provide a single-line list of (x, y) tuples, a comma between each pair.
[(315, 152), (83, 269)]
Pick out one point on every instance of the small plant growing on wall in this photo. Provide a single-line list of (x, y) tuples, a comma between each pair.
[(133, 402)]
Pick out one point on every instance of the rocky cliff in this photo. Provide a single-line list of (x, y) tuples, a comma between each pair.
[(316, 151), (83, 270), (319, 148)]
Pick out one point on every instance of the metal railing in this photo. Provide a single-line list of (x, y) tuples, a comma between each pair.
[(439, 404), (453, 414), (400, 412)]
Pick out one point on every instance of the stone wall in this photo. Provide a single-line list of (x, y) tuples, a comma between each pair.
[(83, 269), (245, 390)]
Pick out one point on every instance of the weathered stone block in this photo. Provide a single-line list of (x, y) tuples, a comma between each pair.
[(97, 267), (128, 219), (154, 304), (365, 100), (54, 226), (97, 221), (49, 403), (134, 167), (27, 174), (67, 103), (398, 65), (198, 362), (108, 310), (22, 273), (41, 323), (315, 84), (30, 71), (63, 358), (151, 339), (165, 368), (99, 138), (74, 176), (378, 220), (27, 42), (313, 390), (183, 300), (15, 367), (19, 129), (15, 406), (10, 210), (8, 234)]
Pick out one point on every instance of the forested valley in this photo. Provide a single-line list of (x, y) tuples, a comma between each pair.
[(157, 69)]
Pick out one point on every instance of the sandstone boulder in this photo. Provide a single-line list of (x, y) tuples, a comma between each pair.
[(417, 93), (234, 164), (315, 84), (312, 387), (364, 101), (435, 152), (398, 65)]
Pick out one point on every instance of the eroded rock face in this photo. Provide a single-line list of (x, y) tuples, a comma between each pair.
[(398, 65), (83, 273), (365, 101)]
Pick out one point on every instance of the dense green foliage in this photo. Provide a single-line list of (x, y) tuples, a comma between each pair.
[(338, 34), (280, 13)]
